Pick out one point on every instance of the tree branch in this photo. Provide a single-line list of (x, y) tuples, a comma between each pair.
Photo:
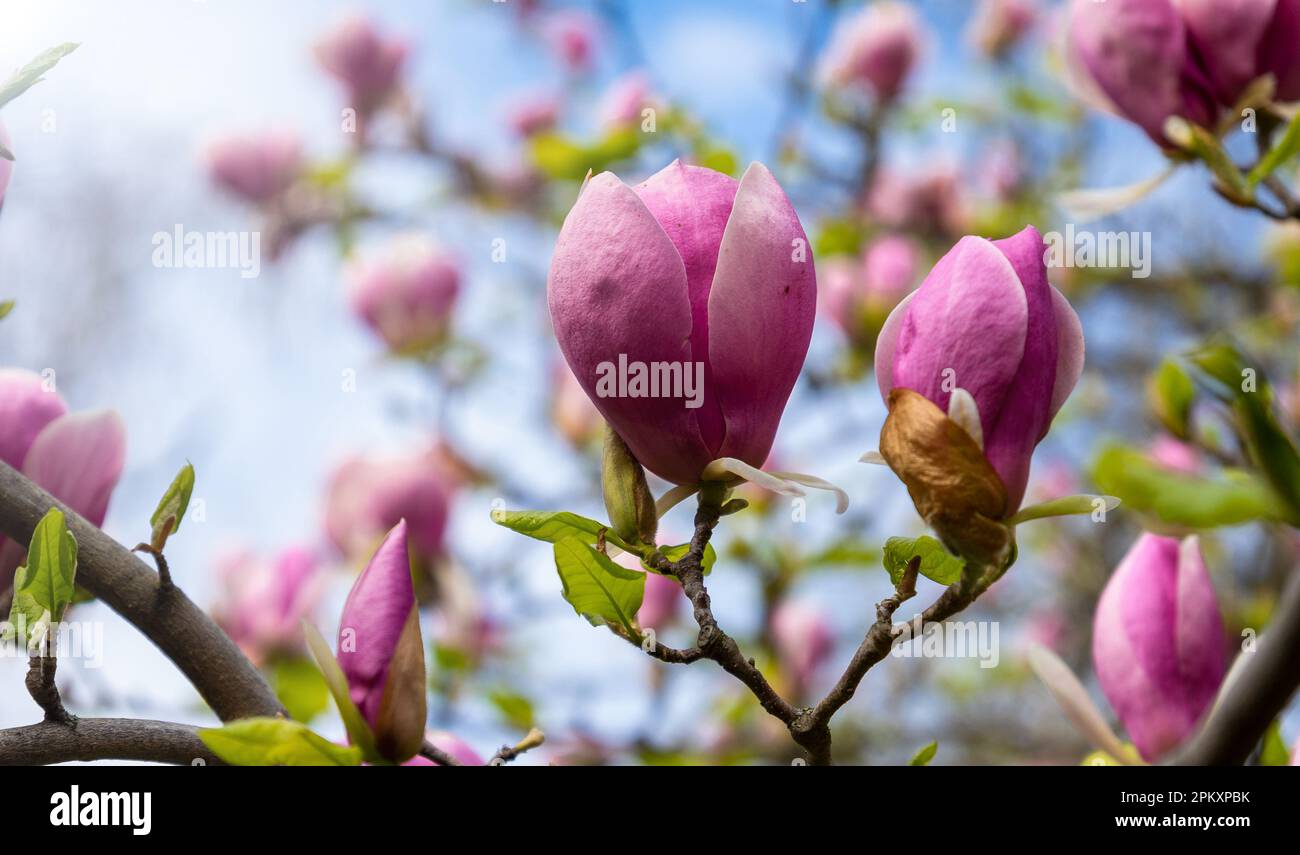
[(103, 739), (1255, 697), (214, 665)]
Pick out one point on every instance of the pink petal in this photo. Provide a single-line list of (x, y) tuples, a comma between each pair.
[(373, 617), (618, 286), (761, 312), (965, 326), (1226, 34), (1069, 350), (78, 459), (693, 204), (26, 407)]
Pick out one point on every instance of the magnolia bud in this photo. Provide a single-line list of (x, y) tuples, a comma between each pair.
[(628, 500)]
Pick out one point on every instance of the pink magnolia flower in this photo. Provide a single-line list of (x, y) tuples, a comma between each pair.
[(625, 99), (997, 25), (692, 269), (27, 405), (533, 114), (256, 168), (367, 64), (1147, 60), (986, 320), (572, 36), (930, 201), (876, 49), (78, 458), (405, 293), (6, 166), (368, 496), (263, 602), (803, 639), (1158, 642), (1176, 455), (380, 650)]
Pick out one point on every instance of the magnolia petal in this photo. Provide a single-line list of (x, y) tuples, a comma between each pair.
[(1070, 352), (886, 343), (617, 289), (674, 497), (1084, 205), (963, 410), (1076, 704), (873, 457), (841, 497), (761, 310), (1084, 503), (720, 469)]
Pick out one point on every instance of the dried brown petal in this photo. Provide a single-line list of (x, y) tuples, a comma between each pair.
[(954, 488)]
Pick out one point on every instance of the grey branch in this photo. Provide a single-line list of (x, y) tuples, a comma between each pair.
[(214, 665), (103, 739)]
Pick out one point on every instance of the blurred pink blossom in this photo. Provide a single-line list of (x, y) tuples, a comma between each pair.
[(625, 99), (572, 35), (997, 25), (405, 292), (663, 598), (256, 168), (77, 457), (453, 745), (367, 64), (876, 49), (1047, 627), (929, 201), (367, 496), (572, 412), (263, 601), (803, 639), (534, 113), (887, 271), (1176, 455)]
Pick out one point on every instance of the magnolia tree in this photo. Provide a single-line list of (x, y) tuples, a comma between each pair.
[(685, 349)]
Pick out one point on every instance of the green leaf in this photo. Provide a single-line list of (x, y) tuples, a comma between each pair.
[(849, 552), (1172, 392), (166, 520), (1248, 392), (275, 742), (300, 687), (1285, 149), (30, 74), (1181, 499), (515, 709), (937, 563), (1062, 507), (1274, 751), (1208, 148), (925, 755), (554, 526), (45, 587), (675, 553), (358, 729), (6, 306), (598, 589)]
